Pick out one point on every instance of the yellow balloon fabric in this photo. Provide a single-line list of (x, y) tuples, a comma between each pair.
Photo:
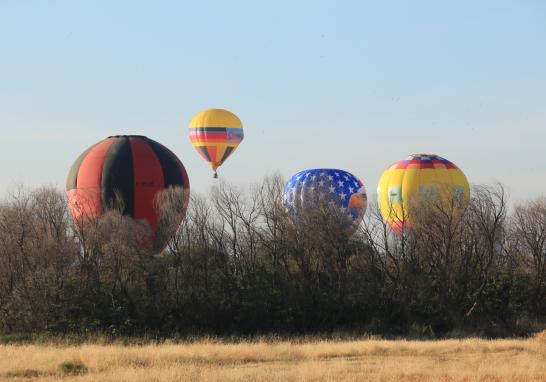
[(215, 134), (420, 175)]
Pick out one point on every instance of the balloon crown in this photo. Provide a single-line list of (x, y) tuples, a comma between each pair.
[(127, 136)]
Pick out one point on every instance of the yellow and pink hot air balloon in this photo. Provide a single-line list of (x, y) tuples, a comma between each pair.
[(420, 175), (215, 134)]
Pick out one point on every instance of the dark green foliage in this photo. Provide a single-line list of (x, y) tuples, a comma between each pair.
[(15, 338), (72, 368), (240, 266)]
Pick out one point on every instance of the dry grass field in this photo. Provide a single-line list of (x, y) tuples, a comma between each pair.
[(359, 360)]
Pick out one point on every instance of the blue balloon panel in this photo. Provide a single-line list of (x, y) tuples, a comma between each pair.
[(326, 187)]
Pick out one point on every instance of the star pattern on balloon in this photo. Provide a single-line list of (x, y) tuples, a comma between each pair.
[(323, 187)]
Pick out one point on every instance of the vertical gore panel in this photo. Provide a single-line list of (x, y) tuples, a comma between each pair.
[(117, 175), (185, 178), (174, 175), (74, 207), (72, 178), (228, 151), (148, 180), (204, 153), (212, 153), (89, 178), (169, 163)]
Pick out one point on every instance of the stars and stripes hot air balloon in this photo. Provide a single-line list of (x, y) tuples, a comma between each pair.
[(321, 187), (135, 169), (420, 176), (215, 134)]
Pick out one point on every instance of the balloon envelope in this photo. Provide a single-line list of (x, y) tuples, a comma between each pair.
[(215, 134), (130, 169), (314, 188), (425, 176)]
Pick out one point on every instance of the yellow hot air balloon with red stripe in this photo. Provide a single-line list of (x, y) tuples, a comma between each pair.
[(215, 134), (420, 176)]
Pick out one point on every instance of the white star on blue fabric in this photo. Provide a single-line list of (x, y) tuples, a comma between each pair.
[(319, 186)]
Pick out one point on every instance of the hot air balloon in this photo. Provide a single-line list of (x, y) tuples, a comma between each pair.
[(132, 168), (215, 133), (321, 187), (421, 176)]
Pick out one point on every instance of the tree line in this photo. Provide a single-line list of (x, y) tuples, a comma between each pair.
[(239, 264)]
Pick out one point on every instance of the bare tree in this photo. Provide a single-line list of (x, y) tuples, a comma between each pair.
[(529, 226)]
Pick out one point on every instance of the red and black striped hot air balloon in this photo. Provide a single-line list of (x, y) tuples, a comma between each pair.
[(132, 168)]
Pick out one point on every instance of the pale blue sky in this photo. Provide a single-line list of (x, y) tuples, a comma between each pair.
[(353, 85)]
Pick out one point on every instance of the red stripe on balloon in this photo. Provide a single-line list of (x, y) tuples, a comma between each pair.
[(212, 153), (149, 180), (210, 140), (86, 197), (210, 135), (427, 164), (220, 137)]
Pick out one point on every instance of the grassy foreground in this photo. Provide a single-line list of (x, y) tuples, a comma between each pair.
[(359, 360)]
